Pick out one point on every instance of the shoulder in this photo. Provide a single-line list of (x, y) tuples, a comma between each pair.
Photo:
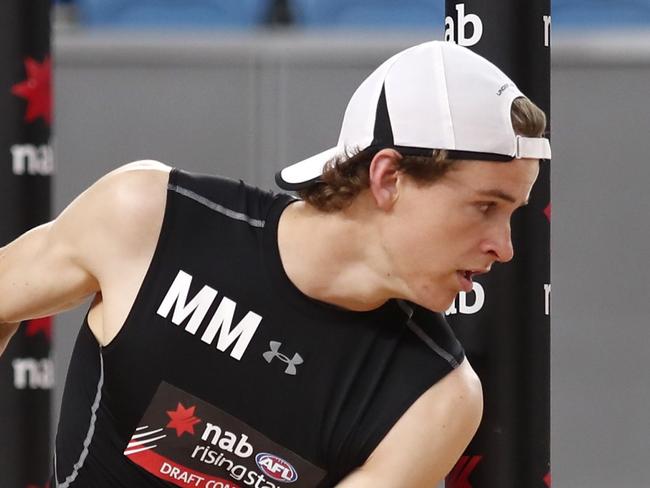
[(133, 198), (138, 186), (423, 446), (119, 216), (452, 407), (130, 201), (463, 381)]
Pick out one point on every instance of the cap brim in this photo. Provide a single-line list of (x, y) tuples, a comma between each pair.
[(304, 173)]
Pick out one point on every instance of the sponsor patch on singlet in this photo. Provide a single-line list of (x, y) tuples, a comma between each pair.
[(191, 443)]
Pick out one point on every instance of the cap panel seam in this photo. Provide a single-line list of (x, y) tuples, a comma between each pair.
[(372, 107), (444, 78), (393, 60)]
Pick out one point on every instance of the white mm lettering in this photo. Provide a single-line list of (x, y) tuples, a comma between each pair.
[(177, 295), (222, 321)]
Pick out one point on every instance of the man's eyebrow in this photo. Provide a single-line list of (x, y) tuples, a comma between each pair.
[(501, 195)]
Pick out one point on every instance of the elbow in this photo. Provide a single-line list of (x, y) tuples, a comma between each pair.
[(6, 319)]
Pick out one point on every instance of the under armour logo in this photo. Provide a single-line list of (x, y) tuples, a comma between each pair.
[(275, 353)]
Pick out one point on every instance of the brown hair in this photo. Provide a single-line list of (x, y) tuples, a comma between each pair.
[(344, 177)]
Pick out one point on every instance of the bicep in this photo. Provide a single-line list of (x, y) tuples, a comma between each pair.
[(57, 265), (40, 275)]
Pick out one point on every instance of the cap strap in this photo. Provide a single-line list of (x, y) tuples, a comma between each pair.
[(533, 148)]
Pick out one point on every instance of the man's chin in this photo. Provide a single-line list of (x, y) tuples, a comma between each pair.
[(437, 304)]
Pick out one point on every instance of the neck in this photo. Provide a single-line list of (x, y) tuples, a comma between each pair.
[(335, 257)]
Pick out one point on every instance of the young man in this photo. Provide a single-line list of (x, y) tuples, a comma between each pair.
[(240, 338)]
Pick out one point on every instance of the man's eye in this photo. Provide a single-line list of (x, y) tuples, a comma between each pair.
[(486, 207)]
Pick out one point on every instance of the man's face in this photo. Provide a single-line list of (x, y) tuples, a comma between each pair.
[(441, 232)]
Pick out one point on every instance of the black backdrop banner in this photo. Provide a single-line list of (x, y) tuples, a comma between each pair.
[(26, 165), (504, 323)]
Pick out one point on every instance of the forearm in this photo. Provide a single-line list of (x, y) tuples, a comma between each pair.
[(6, 333)]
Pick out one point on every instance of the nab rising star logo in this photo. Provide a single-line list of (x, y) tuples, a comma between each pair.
[(276, 468)]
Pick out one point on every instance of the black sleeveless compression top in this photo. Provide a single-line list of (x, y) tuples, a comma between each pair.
[(225, 375)]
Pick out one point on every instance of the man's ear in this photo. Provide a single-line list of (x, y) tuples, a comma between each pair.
[(384, 176)]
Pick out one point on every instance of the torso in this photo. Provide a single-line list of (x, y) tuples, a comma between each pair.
[(111, 312)]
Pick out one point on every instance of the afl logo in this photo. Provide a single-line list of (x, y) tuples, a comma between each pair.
[(276, 467)]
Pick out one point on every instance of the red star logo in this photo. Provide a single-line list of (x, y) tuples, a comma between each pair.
[(38, 326), (547, 479), (182, 419), (547, 211), (36, 89)]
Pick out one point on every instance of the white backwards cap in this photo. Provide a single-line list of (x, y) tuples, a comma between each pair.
[(436, 95)]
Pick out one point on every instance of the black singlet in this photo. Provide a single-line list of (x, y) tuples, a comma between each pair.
[(225, 375)]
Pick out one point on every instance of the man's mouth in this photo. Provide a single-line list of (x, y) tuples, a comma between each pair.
[(465, 278)]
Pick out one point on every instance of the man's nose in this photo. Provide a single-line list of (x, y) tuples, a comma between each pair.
[(500, 244), (507, 252)]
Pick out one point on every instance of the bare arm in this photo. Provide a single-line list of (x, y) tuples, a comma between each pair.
[(38, 278), (57, 265), (423, 446), (41, 274)]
